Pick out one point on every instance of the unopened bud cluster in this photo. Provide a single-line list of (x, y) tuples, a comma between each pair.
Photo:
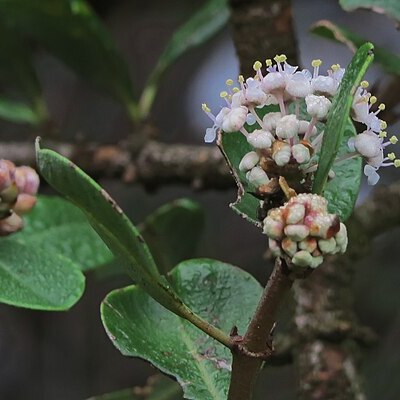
[(266, 108), (18, 188), (304, 231)]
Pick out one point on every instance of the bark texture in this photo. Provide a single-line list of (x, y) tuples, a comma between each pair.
[(262, 29)]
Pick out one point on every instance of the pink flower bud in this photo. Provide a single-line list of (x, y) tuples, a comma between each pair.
[(27, 180), (25, 202), (10, 225)]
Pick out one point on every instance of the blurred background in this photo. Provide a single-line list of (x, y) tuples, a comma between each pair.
[(67, 356)]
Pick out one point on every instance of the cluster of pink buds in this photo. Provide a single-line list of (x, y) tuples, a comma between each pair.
[(286, 136), (18, 188), (304, 231)]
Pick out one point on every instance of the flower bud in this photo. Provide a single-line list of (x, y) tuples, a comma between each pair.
[(298, 85), (25, 202), (273, 81), (301, 153), (249, 161), (27, 180), (324, 85), (260, 139), (281, 153), (270, 120), (10, 225), (368, 144), (274, 247), (327, 246), (257, 176), (302, 258), (273, 228), (289, 246), (287, 127), (235, 119), (318, 106), (6, 174), (297, 232), (295, 213)]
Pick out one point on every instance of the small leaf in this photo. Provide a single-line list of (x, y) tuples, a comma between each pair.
[(389, 61), (205, 23), (389, 7), (18, 112), (158, 387), (342, 191), (139, 327), (234, 146), (31, 277), (18, 73), (173, 231), (339, 114), (58, 227), (109, 221), (71, 31)]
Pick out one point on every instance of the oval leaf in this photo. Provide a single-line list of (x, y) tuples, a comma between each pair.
[(339, 114), (139, 327), (72, 32), (31, 277), (173, 231), (198, 29), (109, 221), (56, 226), (389, 61)]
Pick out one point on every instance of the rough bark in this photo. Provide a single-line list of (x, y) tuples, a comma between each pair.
[(327, 353), (262, 29), (155, 164)]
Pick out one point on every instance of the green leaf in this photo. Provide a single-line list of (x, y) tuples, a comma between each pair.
[(389, 61), (58, 227), (17, 72), (71, 31), (339, 114), (342, 191), (205, 23), (109, 221), (31, 277), (18, 112), (158, 387), (389, 7), (139, 327), (173, 231)]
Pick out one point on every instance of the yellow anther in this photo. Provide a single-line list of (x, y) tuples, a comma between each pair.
[(383, 124), (391, 156), (280, 58), (382, 106), (382, 134), (373, 99), (268, 62), (364, 84), (229, 82), (316, 63), (257, 65), (235, 90), (397, 163), (393, 140), (223, 94), (205, 107), (335, 67), (241, 79)]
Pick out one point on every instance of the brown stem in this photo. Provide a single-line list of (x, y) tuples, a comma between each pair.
[(152, 165), (246, 366)]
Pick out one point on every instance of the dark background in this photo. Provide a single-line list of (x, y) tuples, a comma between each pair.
[(67, 356)]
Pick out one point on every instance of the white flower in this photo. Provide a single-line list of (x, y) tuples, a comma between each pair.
[(260, 139), (282, 154), (324, 85), (301, 153), (249, 161), (257, 176), (298, 84), (270, 120), (234, 120), (367, 144), (287, 127), (318, 106)]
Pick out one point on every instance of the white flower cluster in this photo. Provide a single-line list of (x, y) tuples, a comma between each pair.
[(285, 136), (303, 230)]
